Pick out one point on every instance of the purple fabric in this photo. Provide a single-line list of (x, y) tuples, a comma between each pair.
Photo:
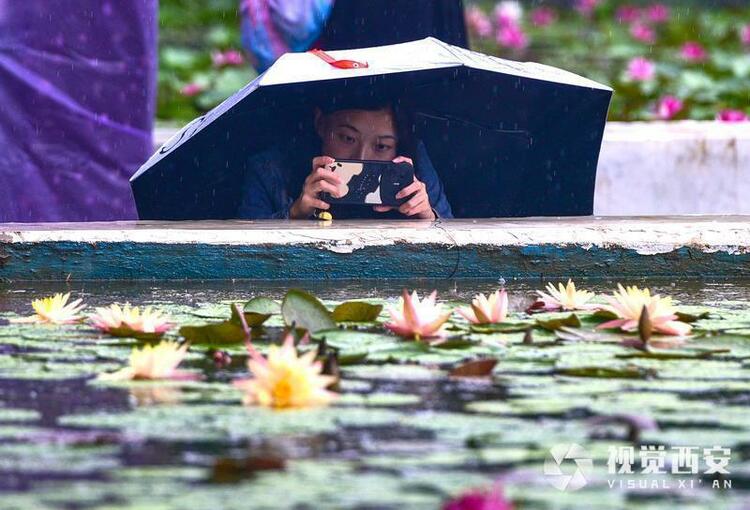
[(77, 99)]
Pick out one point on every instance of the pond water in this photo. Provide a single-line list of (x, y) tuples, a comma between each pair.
[(403, 434)]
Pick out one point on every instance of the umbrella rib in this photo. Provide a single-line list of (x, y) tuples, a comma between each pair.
[(448, 117)]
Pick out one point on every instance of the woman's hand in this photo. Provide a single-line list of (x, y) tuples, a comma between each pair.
[(418, 206), (320, 180)]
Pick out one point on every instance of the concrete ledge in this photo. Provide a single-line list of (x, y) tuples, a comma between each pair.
[(691, 247)]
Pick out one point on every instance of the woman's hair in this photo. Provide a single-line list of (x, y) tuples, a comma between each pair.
[(372, 102)]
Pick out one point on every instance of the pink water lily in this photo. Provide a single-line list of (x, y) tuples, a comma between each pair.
[(643, 33), (628, 14), (693, 52), (227, 58), (745, 34), (478, 22), (508, 13), (130, 321), (543, 16), (413, 318), (512, 36), (641, 69), (486, 310), (732, 116), (627, 304), (480, 499), (658, 13), (668, 107), (586, 7), (192, 89), (565, 298)]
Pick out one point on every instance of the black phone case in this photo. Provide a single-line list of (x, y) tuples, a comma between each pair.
[(371, 182)]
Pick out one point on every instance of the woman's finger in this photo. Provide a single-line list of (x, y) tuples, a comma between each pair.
[(322, 161), (319, 204), (325, 187), (382, 208), (408, 208), (408, 190), (403, 159), (323, 173)]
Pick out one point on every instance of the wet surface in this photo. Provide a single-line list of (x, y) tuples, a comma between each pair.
[(403, 434)]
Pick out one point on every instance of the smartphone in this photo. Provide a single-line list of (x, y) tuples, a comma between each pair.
[(370, 182)]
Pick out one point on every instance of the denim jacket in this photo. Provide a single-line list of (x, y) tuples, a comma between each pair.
[(273, 181)]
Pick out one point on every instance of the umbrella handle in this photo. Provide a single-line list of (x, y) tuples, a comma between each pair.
[(339, 64)]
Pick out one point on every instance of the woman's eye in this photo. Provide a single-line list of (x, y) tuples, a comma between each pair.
[(381, 147), (346, 138)]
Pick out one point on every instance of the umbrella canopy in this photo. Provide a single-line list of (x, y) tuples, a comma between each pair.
[(507, 138)]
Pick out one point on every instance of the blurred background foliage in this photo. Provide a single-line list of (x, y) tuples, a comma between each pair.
[(638, 50)]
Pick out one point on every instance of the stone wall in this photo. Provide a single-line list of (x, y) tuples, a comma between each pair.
[(688, 167)]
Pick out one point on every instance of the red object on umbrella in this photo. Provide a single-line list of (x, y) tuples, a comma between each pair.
[(340, 64)]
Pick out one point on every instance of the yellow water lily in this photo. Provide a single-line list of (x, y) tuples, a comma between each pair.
[(153, 362), (284, 379), (565, 298), (131, 321), (418, 319), (487, 310), (56, 310), (627, 304)]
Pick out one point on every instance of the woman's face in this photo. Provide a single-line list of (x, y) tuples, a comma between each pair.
[(358, 134)]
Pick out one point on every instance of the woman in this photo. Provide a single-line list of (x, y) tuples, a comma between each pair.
[(286, 181)]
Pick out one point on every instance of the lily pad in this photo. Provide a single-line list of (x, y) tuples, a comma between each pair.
[(501, 327), (259, 309), (629, 372), (356, 311), (571, 321), (226, 332), (305, 311)]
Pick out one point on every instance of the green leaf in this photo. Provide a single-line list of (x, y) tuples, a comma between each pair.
[(356, 311), (306, 311), (629, 372), (690, 317), (571, 321), (258, 310), (502, 327), (262, 305), (178, 58), (674, 355), (227, 332)]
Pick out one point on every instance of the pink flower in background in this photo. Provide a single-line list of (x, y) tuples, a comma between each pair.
[(658, 13), (543, 16), (227, 58), (745, 34), (586, 7), (512, 36), (508, 13), (668, 107), (478, 22), (643, 33), (628, 14), (693, 52), (480, 499), (191, 89), (732, 116), (641, 69)]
